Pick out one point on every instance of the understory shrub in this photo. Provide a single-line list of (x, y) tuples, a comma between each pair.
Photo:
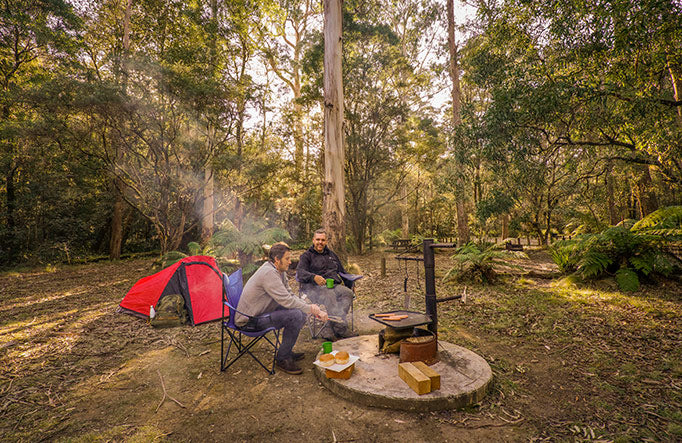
[(233, 248), (477, 265), (628, 251)]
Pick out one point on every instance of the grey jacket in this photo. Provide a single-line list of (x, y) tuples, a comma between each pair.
[(266, 290)]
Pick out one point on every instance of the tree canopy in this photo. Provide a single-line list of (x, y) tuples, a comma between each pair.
[(126, 118)]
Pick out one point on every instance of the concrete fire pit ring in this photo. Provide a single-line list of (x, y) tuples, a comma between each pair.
[(465, 377)]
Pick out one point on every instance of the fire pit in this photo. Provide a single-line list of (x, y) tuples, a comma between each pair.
[(422, 346), (411, 319), (465, 377), (402, 336)]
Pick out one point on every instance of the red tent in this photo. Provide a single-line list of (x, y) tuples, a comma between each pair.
[(196, 278)]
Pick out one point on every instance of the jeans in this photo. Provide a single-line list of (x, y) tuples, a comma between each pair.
[(292, 320)]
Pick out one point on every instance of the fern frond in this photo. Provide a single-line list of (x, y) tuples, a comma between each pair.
[(593, 263), (643, 263), (627, 280), (194, 248), (669, 217), (170, 258)]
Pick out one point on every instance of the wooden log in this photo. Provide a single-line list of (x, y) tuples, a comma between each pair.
[(415, 379), (426, 370)]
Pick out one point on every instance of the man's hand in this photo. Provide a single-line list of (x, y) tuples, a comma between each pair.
[(321, 281), (318, 313)]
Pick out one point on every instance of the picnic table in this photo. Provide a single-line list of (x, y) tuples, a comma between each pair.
[(403, 244)]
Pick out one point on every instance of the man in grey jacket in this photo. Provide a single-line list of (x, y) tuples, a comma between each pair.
[(268, 292)]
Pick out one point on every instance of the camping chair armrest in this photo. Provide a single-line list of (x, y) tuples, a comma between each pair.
[(247, 315), (349, 279)]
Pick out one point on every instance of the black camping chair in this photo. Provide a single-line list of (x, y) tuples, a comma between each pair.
[(243, 338), (316, 326)]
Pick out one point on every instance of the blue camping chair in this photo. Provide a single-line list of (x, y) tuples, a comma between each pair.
[(316, 326), (242, 338)]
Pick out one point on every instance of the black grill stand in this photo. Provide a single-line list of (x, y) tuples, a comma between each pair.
[(430, 281)]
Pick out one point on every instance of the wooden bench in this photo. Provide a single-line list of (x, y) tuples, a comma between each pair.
[(509, 246)]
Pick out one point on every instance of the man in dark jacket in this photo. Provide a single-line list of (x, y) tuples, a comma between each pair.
[(315, 266)]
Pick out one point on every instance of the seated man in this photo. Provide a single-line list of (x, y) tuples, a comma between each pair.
[(315, 266), (268, 292)]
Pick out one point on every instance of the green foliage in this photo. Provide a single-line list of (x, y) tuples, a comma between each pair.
[(562, 255), (228, 241), (387, 236), (495, 204), (627, 280), (476, 265), (248, 241), (593, 263), (665, 221), (628, 251)]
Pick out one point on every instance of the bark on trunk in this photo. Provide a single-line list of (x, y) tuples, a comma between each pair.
[(334, 208), (613, 216), (463, 235), (405, 213), (207, 210), (677, 90), (207, 219), (116, 239), (647, 202)]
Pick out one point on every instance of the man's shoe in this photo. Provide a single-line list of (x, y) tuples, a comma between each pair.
[(288, 366), (298, 356)]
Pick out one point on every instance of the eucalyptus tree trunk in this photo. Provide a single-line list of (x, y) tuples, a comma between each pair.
[(613, 216), (404, 212), (677, 90), (116, 238), (647, 202), (208, 210), (334, 202), (462, 215)]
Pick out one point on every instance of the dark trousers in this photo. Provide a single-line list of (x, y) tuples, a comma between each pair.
[(291, 320)]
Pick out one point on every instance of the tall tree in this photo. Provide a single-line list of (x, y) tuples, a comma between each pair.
[(33, 36), (283, 45), (208, 206), (460, 198), (333, 188), (116, 236)]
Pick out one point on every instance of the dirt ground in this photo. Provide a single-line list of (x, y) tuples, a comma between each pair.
[(570, 364)]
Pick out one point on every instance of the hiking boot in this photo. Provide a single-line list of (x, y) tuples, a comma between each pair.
[(288, 366), (298, 356)]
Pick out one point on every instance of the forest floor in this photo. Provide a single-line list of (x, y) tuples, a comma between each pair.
[(570, 364)]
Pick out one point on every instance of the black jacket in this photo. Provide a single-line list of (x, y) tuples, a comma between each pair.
[(312, 263)]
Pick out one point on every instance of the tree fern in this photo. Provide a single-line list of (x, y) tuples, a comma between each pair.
[(664, 221), (248, 242), (629, 249), (594, 263), (643, 263), (228, 241), (474, 264), (627, 280)]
